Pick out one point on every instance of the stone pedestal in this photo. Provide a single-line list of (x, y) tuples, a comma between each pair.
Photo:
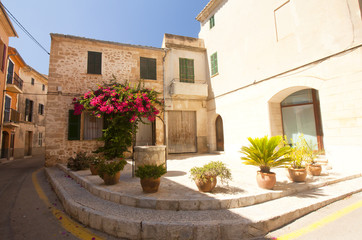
[(149, 155)]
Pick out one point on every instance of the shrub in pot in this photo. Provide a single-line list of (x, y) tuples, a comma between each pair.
[(206, 176), (110, 171), (150, 176), (266, 153), (79, 162), (94, 164)]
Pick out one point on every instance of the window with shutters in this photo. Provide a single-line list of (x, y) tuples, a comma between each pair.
[(73, 126), (2, 56), (32, 81), (40, 139), (186, 70), (148, 69), (28, 110), (41, 109), (92, 127), (214, 68), (7, 108), (212, 21), (43, 88), (94, 63)]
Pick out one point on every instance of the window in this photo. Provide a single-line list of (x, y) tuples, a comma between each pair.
[(43, 87), (92, 126), (28, 110), (2, 56), (32, 81), (214, 68), (7, 109), (41, 109), (40, 139), (73, 126), (148, 68), (212, 21), (94, 63), (186, 70)]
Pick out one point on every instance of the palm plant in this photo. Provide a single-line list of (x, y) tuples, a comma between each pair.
[(266, 153)]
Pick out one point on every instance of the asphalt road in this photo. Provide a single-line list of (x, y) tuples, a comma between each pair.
[(339, 220), (23, 214)]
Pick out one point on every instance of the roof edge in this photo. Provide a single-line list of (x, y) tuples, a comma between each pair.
[(15, 34), (211, 6)]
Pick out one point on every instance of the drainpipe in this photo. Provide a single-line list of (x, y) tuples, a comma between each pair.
[(165, 138)]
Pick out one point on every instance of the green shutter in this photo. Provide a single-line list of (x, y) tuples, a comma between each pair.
[(73, 126), (148, 68), (94, 63), (212, 22), (213, 60), (186, 67)]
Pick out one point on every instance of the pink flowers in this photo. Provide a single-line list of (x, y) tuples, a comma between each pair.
[(131, 102)]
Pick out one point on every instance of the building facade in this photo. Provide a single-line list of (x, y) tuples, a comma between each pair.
[(78, 65), (6, 30), (286, 67)]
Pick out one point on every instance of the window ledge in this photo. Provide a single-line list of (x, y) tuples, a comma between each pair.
[(216, 74)]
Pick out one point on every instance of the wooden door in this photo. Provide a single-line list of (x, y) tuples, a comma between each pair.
[(219, 134), (182, 132), (28, 143)]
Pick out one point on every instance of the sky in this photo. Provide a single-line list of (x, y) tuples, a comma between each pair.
[(139, 22)]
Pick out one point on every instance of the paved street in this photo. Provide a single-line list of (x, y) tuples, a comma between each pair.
[(23, 214), (339, 220)]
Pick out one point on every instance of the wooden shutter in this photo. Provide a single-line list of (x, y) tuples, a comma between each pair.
[(3, 58), (148, 68), (186, 70), (214, 68), (73, 126), (94, 63)]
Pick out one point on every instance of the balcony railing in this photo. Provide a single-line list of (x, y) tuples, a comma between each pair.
[(15, 80), (11, 115), (189, 89)]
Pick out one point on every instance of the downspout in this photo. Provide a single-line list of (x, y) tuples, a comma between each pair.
[(165, 137)]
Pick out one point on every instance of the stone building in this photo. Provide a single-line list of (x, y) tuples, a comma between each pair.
[(78, 65), (29, 139), (286, 67), (6, 30), (186, 92)]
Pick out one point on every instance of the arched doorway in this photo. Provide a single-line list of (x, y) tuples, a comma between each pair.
[(219, 134), (301, 115), (5, 145)]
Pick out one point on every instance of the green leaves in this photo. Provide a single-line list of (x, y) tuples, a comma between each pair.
[(111, 168), (266, 153), (214, 168), (150, 171)]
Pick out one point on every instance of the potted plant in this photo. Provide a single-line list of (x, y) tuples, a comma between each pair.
[(314, 168), (150, 176), (79, 162), (300, 153), (266, 153), (94, 164), (205, 177), (110, 171)]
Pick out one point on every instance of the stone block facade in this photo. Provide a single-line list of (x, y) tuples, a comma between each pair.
[(68, 78)]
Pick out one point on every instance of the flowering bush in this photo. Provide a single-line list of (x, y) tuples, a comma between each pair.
[(121, 106)]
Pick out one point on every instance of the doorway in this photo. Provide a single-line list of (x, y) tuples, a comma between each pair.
[(219, 134), (5, 145), (28, 143)]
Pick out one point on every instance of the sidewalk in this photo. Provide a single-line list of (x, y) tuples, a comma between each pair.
[(179, 211)]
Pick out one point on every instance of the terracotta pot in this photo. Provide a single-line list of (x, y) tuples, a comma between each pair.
[(314, 169), (297, 174), (111, 180), (208, 185), (266, 180), (150, 185), (93, 169)]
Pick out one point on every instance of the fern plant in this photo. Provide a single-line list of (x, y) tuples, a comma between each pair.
[(266, 153), (150, 171)]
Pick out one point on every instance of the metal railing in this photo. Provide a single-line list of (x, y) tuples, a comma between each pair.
[(16, 80), (11, 115)]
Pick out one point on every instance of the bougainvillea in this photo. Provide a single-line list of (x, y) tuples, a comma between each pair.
[(121, 106)]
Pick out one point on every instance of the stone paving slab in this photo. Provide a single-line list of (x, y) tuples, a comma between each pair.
[(178, 192), (237, 223)]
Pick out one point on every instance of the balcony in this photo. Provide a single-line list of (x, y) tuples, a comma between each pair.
[(189, 90), (11, 118), (14, 83)]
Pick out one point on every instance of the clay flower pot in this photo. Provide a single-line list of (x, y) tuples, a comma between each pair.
[(150, 185), (111, 180), (266, 180), (208, 185), (93, 169), (297, 174), (314, 169)]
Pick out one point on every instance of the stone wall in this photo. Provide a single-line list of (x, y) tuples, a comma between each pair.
[(68, 78)]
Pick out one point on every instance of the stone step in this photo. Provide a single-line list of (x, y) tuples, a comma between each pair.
[(238, 223), (205, 202)]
